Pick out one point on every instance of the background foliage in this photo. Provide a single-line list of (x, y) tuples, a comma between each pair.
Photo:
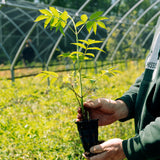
[(37, 122)]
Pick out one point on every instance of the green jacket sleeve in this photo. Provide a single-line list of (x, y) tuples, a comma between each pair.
[(146, 144), (129, 97)]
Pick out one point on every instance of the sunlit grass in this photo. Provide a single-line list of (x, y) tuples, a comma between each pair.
[(37, 122)]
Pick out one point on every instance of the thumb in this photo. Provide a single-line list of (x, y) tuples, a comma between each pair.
[(96, 149), (91, 104)]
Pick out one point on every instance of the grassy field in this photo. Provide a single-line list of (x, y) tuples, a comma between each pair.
[(37, 121)]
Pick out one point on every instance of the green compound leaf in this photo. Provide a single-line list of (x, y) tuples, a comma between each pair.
[(84, 41), (92, 41), (47, 21), (61, 30), (54, 11), (95, 27), (80, 45), (63, 24), (45, 12), (84, 17), (41, 17), (48, 74), (102, 25), (54, 22), (75, 53), (64, 16), (95, 15), (96, 48), (90, 54), (79, 23), (86, 58), (89, 26), (64, 55), (101, 18)]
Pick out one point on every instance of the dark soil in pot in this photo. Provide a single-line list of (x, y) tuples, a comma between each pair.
[(88, 132)]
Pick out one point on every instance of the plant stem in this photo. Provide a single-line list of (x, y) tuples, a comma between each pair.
[(79, 71), (80, 77)]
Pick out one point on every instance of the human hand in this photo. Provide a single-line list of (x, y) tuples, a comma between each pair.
[(111, 149), (107, 111)]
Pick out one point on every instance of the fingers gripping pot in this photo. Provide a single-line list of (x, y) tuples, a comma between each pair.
[(88, 132)]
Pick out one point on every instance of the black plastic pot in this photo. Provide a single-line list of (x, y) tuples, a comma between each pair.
[(88, 132)]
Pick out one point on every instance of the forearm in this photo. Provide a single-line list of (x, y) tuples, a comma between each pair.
[(121, 109)]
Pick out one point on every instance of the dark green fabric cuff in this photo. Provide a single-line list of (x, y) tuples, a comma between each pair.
[(133, 149)]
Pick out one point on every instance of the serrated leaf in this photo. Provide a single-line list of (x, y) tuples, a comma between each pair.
[(53, 22), (102, 25), (73, 58), (75, 53), (64, 15), (90, 54), (84, 17), (45, 12), (57, 27), (101, 18), (95, 48), (95, 15), (89, 26), (84, 41), (79, 23), (80, 45), (63, 24), (61, 30), (95, 27), (41, 17), (86, 58), (64, 55), (92, 41), (47, 21), (54, 11)]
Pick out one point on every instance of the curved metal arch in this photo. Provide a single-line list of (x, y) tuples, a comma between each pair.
[(33, 47), (134, 23), (14, 24), (20, 49), (14, 30), (104, 14), (58, 41), (18, 5), (146, 25), (147, 37), (42, 29), (17, 27), (120, 21), (4, 50)]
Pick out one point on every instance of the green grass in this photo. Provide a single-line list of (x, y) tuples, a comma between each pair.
[(37, 122)]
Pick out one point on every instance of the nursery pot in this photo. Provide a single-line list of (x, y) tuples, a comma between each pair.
[(88, 132)]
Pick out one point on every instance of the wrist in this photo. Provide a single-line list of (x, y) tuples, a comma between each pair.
[(121, 109)]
